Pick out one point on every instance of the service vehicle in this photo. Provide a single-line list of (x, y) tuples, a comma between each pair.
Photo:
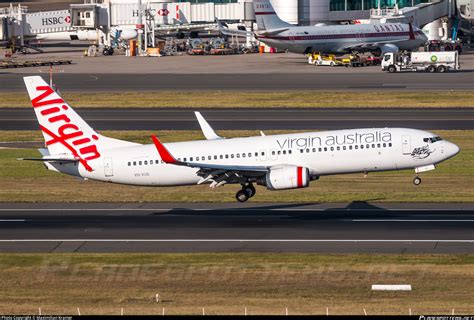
[(421, 61)]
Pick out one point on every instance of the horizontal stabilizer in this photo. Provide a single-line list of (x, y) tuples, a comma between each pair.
[(268, 33), (62, 160)]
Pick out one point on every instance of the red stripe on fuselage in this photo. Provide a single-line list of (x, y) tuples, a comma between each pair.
[(299, 176), (264, 13)]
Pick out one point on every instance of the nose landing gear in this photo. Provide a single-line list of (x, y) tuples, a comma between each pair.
[(247, 192), (417, 181)]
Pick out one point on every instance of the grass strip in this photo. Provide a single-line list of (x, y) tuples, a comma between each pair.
[(252, 99), (264, 283)]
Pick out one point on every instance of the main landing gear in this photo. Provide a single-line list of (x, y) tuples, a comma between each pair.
[(247, 192), (417, 181)]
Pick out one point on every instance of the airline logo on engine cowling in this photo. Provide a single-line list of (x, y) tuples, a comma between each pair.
[(68, 134)]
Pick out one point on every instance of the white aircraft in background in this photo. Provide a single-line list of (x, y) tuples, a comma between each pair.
[(278, 162), (338, 39)]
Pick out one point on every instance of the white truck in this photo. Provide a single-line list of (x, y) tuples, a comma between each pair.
[(421, 61)]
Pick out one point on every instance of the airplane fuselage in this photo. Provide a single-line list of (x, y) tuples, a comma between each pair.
[(342, 38), (323, 153)]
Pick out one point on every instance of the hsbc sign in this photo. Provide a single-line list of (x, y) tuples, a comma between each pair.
[(52, 21), (163, 12)]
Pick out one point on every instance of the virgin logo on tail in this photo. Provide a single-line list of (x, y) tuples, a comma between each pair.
[(68, 134)]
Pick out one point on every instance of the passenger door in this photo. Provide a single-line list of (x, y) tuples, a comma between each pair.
[(406, 145), (108, 170)]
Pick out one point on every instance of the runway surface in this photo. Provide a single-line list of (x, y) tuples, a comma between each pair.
[(354, 227), (379, 80), (255, 119)]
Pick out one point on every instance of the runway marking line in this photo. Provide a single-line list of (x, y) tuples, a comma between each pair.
[(233, 240), (12, 220), (228, 209), (408, 220)]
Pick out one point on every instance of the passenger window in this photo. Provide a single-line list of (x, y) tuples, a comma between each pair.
[(373, 145), (284, 151), (362, 146), (344, 147), (221, 157), (338, 148), (227, 156), (378, 145), (307, 150), (145, 162), (129, 164), (390, 145), (209, 158), (238, 155), (384, 145), (314, 149), (273, 153), (279, 152), (139, 163), (157, 161), (319, 149), (332, 148), (215, 157), (368, 146), (232, 156), (350, 147), (289, 151), (301, 150), (203, 158), (263, 153), (325, 149), (256, 154), (243, 155), (184, 159), (356, 147), (250, 155), (191, 159)]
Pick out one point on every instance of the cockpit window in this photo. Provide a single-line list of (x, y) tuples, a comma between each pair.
[(432, 139)]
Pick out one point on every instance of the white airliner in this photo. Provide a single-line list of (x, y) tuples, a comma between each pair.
[(278, 162), (337, 39)]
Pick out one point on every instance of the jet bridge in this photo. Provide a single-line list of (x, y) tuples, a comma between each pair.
[(420, 15)]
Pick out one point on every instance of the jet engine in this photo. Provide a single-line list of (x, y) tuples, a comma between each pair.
[(287, 177), (388, 48)]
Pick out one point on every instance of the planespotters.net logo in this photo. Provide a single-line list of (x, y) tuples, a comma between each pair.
[(446, 317)]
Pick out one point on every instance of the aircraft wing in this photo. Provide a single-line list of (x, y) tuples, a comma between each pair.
[(217, 173), (371, 45)]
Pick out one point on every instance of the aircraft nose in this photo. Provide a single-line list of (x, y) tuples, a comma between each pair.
[(452, 149)]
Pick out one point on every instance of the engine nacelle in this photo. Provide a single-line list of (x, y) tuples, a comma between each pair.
[(287, 177)]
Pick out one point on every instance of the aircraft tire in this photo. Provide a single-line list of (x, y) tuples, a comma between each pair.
[(242, 196), (417, 181), (250, 190)]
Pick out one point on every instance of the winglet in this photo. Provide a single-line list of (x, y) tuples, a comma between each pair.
[(164, 153), (207, 130)]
